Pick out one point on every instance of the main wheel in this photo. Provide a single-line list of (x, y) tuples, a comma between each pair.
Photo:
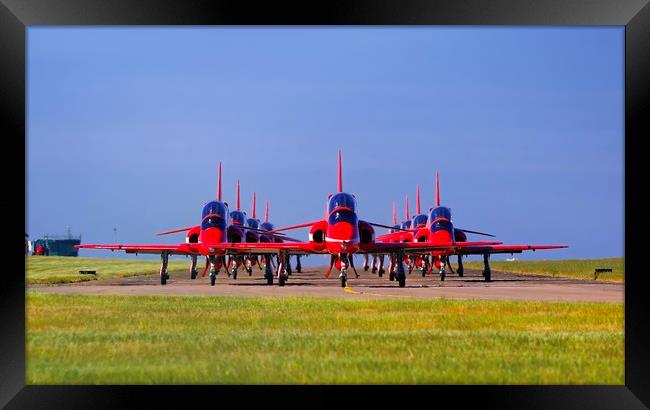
[(213, 279), (391, 276), (282, 280), (442, 275), (460, 273), (269, 280), (402, 280), (424, 273), (343, 281), (488, 276), (380, 273), (163, 279), (194, 274), (250, 271), (234, 273)]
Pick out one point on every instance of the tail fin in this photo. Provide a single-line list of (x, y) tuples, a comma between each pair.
[(417, 199), (340, 179), (219, 184), (437, 189), (407, 214), (238, 195), (253, 205), (394, 214), (266, 211)]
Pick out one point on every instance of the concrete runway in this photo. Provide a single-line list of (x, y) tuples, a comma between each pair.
[(311, 282)]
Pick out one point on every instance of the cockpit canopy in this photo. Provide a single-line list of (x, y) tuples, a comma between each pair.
[(343, 215), (440, 212), (267, 226), (419, 220), (406, 224), (237, 217), (214, 215), (441, 219), (394, 229), (342, 200), (253, 223)]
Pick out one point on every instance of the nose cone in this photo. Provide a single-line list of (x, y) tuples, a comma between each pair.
[(441, 236), (342, 237), (211, 235), (343, 231)]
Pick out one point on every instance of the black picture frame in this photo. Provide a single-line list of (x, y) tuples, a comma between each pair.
[(17, 15)]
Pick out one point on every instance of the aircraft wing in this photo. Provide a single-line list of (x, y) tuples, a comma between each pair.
[(479, 250), (240, 248), (181, 249), (388, 247)]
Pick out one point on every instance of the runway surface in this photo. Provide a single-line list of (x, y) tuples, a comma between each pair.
[(311, 282)]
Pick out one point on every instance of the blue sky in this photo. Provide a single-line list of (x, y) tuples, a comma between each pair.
[(126, 127)]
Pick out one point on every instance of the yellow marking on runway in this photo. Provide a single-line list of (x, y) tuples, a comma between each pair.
[(348, 289)]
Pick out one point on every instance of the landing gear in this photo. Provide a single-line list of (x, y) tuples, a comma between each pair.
[(381, 271), (248, 265), (460, 269), (391, 268), (344, 274), (487, 272), (365, 263), (283, 261), (268, 274), (214, 270), (193, 271), (298, 267), (351, 260), (443, 262), (164, 256), (401, 276)]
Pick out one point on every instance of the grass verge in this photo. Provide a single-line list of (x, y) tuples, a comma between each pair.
[(62, 269), (80, 339), (569, 268)]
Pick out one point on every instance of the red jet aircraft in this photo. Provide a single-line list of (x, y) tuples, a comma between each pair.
[(438, 228), (340, 234)]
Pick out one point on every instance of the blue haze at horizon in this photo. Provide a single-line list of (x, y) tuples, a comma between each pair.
[(126, 127)]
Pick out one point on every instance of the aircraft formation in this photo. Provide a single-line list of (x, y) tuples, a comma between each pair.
[(229, 240)]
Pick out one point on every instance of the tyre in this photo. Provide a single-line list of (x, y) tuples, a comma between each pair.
[(269, 280), (163, 279), (213, 280), (402, 280), (234, 273), (380, 273), (460, 273), (194, 274), (282, 280), (391, 276), (344, 281), (488, 276), (442, 276)]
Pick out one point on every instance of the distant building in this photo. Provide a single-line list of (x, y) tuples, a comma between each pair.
[(58, 245)]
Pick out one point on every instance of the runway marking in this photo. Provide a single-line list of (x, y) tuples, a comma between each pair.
[(350, 290)]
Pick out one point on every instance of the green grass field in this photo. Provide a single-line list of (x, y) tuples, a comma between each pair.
[(101, 339), (61, 269), (569, 268)]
